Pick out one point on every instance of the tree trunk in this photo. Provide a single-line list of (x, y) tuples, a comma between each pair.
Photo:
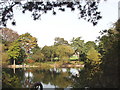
[(14, 63), (51, 59), (79, 58)]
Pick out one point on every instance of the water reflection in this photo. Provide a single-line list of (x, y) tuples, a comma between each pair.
[(28, 79), (50, 78)]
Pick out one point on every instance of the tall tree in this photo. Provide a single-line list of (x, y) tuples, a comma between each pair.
[(93, 57), (64, 52), (110, 43), (48, 52), (16, 53), (79, 46), (90, 44), (28, 42), (37, 54)]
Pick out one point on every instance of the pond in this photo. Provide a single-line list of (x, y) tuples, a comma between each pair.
[(49, 78)]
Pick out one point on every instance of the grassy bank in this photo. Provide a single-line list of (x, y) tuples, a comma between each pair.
[(57, 64)]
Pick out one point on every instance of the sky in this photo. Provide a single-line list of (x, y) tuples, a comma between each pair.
[(65, 24)]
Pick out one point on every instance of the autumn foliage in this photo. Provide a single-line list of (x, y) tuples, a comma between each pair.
[(29, 61)]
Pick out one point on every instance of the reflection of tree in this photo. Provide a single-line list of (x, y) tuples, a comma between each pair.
[(62, 80), (59, 79), (10, 80), (28, 79), (89, 77)]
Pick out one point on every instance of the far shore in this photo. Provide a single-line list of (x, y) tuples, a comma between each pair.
[(56, 66), (21, 66)]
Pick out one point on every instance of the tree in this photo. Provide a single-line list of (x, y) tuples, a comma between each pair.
[(90, 44), (106, 74), (64, 52), (8, 34), (3, 55), (15, 52), (60, 41), (110, 43), (28, 42), (88, 11), (48, 52), (93, 57), (35, 49), (79, 46), (37, 55)]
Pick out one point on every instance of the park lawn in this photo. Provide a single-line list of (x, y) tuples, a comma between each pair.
[(71, 58)]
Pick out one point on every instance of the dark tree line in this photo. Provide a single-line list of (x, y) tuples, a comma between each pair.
[(105, 74)]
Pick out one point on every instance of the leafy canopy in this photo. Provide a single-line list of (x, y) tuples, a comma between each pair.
[(93, 56)]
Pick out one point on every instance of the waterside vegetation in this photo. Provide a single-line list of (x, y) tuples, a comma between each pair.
[(101, 62)]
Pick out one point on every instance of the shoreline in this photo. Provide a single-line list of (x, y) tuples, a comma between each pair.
[(21, 66), (52, 66)]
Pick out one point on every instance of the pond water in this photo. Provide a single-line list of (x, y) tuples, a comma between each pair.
[(49, 78)]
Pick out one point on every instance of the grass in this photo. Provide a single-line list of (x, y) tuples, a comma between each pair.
[(73, 58)]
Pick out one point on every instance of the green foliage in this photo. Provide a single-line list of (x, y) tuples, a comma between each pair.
[(73, 58), (3, 55), (0, 38), (60, 41), (10, 81), (37, 56), (15, 52), (79, 46), (64, 52), (110, 65), (4, 59), (49, 52), (28, 42), (35, 49), (90, 44), (55, 77), (93, 57), (2, 47), (105, 75)]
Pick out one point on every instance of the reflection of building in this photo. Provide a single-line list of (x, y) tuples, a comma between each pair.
[(74, 72)]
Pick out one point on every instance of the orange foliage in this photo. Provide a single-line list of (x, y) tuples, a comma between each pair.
[(29, 61)]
